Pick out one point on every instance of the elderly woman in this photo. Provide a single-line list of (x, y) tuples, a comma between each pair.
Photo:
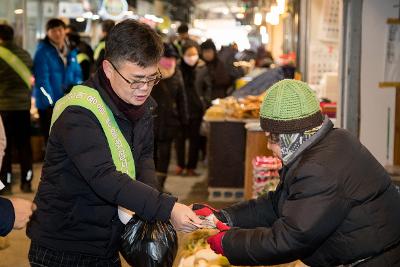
[(335, 204)]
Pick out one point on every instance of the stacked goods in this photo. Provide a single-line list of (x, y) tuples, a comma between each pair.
[(194, 251), (328, 108), (265, 174), (233, 108)]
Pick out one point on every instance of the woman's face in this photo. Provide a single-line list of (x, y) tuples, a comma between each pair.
[(191, 56), (192, 51), (273, 144)]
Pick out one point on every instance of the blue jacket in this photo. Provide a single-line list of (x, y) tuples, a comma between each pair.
[(51, 75), (7, 216)]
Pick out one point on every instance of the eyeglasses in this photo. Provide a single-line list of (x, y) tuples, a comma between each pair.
[(273, 138), (137, 84)]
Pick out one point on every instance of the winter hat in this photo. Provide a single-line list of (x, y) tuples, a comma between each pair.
[(290, 106), (169, 51), (208, 44)]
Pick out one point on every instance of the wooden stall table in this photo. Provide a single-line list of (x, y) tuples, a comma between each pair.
[(256, 145)]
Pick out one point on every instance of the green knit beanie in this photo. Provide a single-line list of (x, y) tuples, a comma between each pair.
[(290, 106)]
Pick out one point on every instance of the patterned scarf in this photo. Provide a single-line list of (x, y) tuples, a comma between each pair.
[(290, 143)]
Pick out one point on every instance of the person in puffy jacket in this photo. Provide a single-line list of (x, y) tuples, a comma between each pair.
[(15, 104), (56, 69), (171, 111), (88, 175), (14, 212), (335, 204)]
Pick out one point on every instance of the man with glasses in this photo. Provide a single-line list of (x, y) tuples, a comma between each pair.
[(99, 160), (335, 204)]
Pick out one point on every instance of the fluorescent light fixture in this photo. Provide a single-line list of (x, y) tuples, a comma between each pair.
[(257, 18), (87, 15), (154, 18), (281, 6), (19, 11), (240, 15)]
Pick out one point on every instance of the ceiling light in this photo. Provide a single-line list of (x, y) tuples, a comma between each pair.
[(257, 18)]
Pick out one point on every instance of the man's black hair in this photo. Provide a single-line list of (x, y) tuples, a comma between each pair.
[(6, 32), (133, 41), (55, 23), (183, 28), (107, 25)]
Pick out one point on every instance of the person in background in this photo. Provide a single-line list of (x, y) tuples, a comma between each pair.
[(85, 52), (216, 74), (15, 103), (14, 212), (56, 69), (227, 55), (335, 204), (190, 65), (99, 51), (183, 37), (171, 111), (99, 160), (264, 58)]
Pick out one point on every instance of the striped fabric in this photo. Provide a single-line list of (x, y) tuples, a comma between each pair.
[(43, 257)]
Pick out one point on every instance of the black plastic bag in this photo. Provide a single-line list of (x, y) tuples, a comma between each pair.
[(146, 244)]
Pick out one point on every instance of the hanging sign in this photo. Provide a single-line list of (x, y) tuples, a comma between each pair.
[(113, 9), (391, 75)]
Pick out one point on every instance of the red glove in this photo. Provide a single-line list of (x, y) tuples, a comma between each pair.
[(203, 209), (215, 241), (206, 210)]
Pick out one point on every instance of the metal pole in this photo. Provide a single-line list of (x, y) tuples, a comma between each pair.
[(351, 65)]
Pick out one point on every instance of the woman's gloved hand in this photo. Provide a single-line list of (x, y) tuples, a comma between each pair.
[(205, 210), (215, 241)]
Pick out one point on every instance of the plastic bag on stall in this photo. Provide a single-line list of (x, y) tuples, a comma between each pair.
[(146, 244)]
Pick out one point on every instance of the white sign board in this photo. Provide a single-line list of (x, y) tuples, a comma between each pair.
[(391, 76), (70, 10)]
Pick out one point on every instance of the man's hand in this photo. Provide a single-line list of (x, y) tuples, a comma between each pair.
[(184, 219), (23, 210)]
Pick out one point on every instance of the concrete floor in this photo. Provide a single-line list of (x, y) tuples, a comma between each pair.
[(187, 189)]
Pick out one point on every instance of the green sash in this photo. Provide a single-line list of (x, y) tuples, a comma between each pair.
[(16, 64), (97, 50), (90, 99), (82, 57)]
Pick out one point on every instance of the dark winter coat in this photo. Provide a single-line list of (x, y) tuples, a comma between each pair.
[(171, 111), (14, 93), (194, 104), (212, 81), (80, 187), (335, 204), (7, 216)]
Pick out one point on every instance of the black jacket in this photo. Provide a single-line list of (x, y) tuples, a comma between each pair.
[(171, 111), (194, 104), (7, 216), (335, 204), (14, 93), (212, 81), (80, 187)]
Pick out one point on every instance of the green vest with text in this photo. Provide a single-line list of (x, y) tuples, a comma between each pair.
[(90, 99)]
